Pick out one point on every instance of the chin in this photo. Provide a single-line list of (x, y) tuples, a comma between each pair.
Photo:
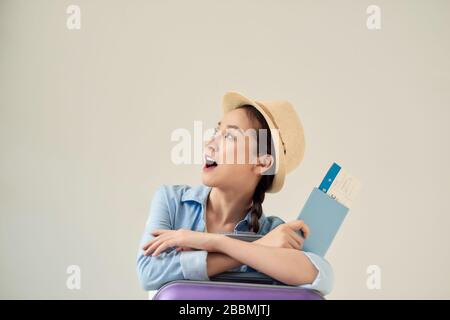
[(208, 181)]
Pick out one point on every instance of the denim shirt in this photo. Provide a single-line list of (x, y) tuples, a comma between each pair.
[(183, 207)]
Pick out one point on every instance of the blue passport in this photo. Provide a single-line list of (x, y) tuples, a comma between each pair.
[(324, 216), (326, 208)]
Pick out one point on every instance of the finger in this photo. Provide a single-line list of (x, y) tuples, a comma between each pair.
[(293, 242), (160, 240), (145, 246), (300, 225), (150, 249), (306, 231), (296, 224), (302, 241), (164, 246), (295, 235), (156, 238), (297, 238), (157, 232), (149, 243)]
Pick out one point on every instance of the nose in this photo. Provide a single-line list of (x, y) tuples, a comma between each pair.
[(211, 145)]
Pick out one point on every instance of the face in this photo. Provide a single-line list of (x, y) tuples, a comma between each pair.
[(230, 156)]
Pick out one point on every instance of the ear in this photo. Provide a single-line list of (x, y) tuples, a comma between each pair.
[(263, 164)]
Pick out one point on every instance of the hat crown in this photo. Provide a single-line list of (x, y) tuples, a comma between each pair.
[(290, 128)]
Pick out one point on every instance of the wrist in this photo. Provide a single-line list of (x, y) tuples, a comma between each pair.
[(217, 242)]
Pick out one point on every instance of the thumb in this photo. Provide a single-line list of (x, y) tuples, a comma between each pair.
[(300, 225)]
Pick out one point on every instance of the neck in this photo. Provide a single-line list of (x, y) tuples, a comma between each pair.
[(229, 206)]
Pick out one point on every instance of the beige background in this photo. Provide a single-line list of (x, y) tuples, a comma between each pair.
[(86, 118)]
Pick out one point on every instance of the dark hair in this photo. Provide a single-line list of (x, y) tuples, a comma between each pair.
[(266, 180)]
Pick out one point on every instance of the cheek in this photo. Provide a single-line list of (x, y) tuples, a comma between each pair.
[(229, 153), (238, 152)]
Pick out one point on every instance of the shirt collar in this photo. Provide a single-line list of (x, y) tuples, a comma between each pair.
[(200, 194), (196, 193)]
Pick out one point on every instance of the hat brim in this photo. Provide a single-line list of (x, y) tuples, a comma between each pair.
[(232, 100)]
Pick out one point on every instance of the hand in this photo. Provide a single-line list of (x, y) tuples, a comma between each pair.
[(182, 239), (286, 235)]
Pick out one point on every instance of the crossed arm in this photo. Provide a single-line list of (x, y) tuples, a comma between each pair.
[(287, 265), (277, 254)]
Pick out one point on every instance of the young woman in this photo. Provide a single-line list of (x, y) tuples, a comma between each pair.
[(183, 235)]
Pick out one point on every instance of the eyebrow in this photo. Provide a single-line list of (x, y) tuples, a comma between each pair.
[(232, 126)]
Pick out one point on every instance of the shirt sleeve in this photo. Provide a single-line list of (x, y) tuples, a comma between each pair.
[(324, 280), (153, 272)]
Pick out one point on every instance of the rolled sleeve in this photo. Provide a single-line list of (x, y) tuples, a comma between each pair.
[(193, 264), (324, 280), (153, 272)]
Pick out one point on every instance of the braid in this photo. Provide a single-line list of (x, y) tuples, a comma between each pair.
[(258, 198)]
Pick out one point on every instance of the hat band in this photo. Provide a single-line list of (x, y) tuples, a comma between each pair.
[(274, 122)]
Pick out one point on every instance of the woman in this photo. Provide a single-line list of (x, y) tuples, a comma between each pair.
[(183, 236)]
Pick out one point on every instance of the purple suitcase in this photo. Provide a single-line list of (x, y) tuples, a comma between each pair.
[(214, 290)]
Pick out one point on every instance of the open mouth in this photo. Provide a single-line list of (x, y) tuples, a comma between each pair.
[(210, 162)]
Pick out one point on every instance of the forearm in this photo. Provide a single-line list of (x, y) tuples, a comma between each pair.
[(289, 266), (219, 262)]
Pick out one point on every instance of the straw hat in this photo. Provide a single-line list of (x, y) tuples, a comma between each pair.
[(285, 127)]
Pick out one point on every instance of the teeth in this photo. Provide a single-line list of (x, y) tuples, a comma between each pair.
[(210, 161)]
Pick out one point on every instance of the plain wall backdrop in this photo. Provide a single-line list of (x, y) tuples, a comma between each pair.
[(86, 118)]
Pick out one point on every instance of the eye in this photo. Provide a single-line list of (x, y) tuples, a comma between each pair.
[(229, 136)]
